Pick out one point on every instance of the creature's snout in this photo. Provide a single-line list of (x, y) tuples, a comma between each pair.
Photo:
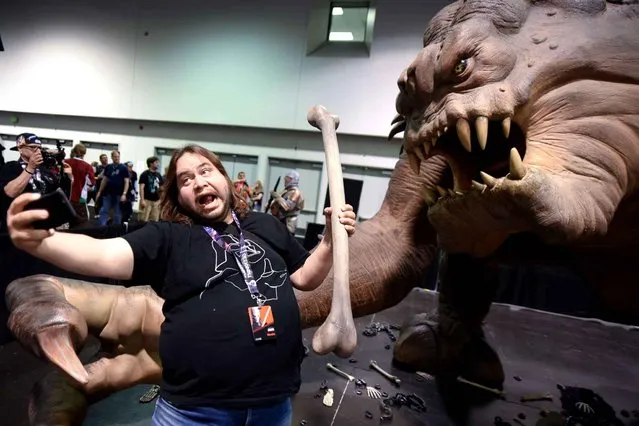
[(415, 84)]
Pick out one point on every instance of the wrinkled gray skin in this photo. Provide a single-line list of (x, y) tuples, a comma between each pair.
[(564, 96)]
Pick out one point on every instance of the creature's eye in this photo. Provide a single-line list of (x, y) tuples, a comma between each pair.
[(460, 67)]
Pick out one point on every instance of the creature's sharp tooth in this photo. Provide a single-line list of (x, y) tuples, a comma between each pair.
[(459, 193), (434, 141), (481, 126), (451, 192), (397, 119), (420, 153), (445, 129), (463, 131), (414, 161), (426, 148), (505, 126), (478, 186), (441, 191), (488, 179), (517, 169), (429, 196)]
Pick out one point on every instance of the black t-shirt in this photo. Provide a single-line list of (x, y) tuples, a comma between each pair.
[(208, 354), (152, 182), (115, 174)]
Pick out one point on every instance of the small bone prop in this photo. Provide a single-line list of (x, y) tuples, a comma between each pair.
[(338, 333), (482, 387), (396, 381)]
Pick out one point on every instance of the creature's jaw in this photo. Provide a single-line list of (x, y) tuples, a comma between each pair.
[(475, 149), (483, 155), (501, 181)]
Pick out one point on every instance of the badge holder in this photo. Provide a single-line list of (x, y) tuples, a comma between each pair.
[(262, 323)]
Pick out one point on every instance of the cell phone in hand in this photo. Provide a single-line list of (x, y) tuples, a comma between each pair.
[(59, 207)]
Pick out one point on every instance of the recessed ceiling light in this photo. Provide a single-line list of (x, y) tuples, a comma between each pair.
[(337, 11), (340, 36)]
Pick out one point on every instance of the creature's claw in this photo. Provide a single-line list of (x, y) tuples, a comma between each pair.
[(56, 344), (43, 321)]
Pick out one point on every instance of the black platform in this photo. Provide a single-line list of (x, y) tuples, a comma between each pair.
[(541, 349)]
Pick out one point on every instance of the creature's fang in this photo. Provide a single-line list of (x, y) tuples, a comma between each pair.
[(420, 153), (463, 132), (517, 169), (478, 186), (441, 191), (488, 179), (505, 126), (481, 125)]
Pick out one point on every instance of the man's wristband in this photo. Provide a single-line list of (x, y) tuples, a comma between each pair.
[(25, 169)]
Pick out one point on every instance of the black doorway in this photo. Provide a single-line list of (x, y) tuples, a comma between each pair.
[(352, 193)]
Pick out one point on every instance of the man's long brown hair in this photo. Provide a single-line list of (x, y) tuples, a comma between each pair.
[(170, 209)]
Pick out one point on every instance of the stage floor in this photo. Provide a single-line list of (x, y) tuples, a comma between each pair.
[(539, 351)]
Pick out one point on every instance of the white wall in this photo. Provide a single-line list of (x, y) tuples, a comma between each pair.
[(222, 62)]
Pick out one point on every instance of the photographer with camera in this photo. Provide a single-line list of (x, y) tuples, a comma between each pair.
[(31, 173)]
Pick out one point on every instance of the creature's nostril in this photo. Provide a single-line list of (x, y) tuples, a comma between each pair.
[(407, 80), (401, 82)]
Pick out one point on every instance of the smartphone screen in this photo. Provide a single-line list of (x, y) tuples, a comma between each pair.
[(59, 207)]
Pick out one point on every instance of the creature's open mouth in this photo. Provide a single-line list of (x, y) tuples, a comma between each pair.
[(475, 153), (469, 154)]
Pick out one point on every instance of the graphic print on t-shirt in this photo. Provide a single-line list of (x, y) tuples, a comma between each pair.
[(260, 264)]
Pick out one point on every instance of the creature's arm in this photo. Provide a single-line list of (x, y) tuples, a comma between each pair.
[(52, 317)]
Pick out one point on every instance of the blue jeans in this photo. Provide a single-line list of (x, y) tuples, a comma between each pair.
[(110, 201), (166, 414)]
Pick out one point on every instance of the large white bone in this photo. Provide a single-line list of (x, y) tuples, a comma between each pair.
[(338, 333)]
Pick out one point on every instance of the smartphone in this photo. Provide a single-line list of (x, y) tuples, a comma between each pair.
[(59, 207)]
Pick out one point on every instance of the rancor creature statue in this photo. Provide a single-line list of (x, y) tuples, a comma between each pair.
[(521, 138)]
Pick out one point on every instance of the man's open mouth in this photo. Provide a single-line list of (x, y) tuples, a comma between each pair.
[(206, 199), (478, 152)]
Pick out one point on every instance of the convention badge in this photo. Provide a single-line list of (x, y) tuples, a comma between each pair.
[(262, 323)]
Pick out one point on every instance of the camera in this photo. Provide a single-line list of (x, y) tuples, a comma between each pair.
[(51, 160)]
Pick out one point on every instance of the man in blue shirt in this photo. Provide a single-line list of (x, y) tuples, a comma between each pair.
[(114, 188)]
